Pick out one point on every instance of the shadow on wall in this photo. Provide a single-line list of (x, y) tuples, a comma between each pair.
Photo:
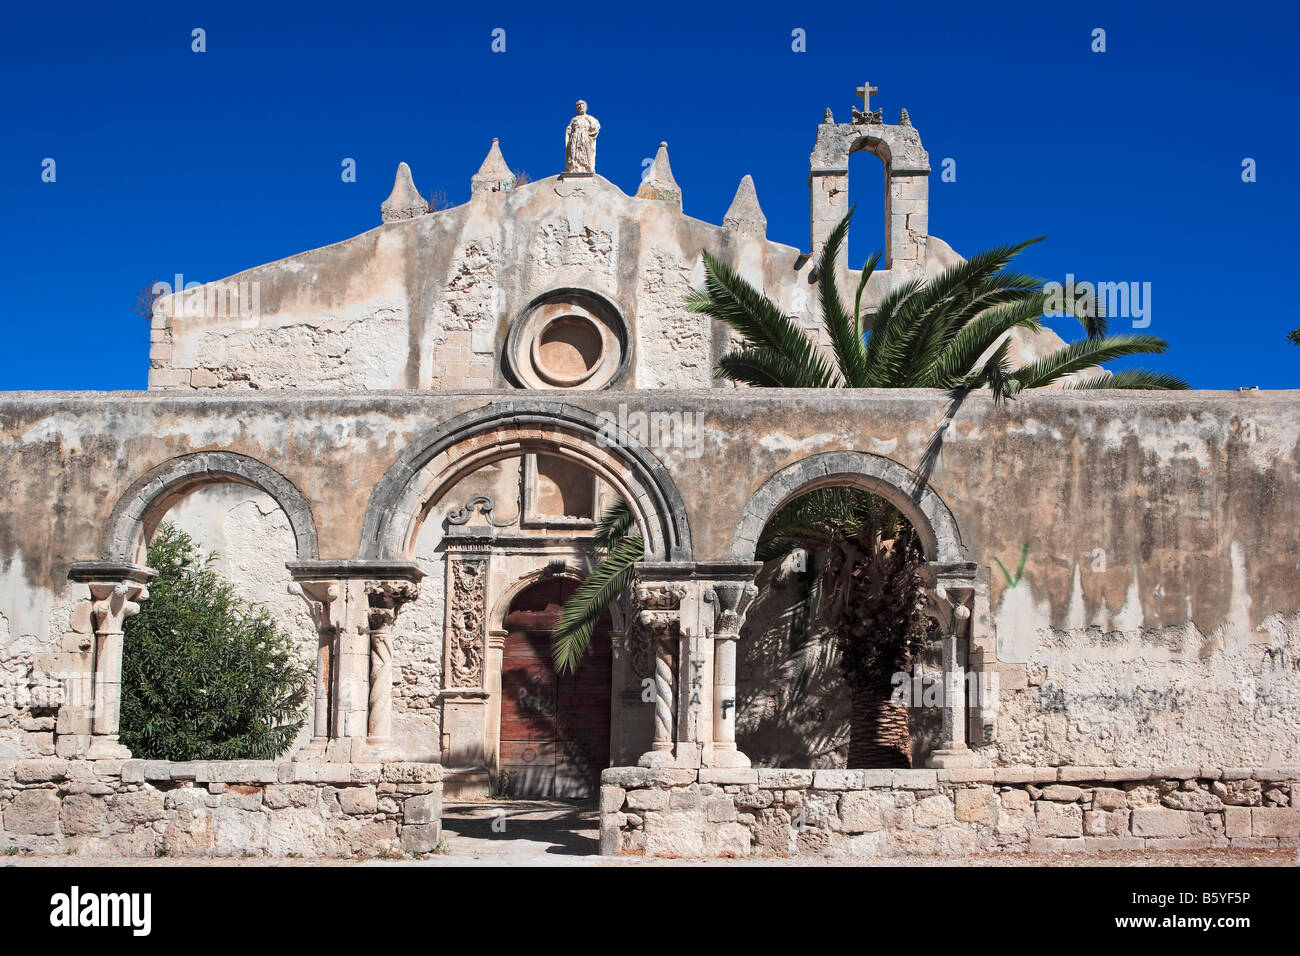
[(793, 708), (793, 705)]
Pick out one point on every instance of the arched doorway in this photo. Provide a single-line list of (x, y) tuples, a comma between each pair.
[(554, 727)]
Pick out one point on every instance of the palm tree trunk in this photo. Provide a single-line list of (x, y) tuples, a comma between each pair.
[(879, 736)]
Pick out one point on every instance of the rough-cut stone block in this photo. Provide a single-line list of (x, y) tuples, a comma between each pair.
[(916, 779), (358, 801), (676, 833), (933, 811), (1109, 798), (1192, 800), (423, 809), (1080, 774), (238, 771), (34, 812), (1015, 800), (785, 779), (684, 800), (729, 839), (726, 776), (1236, 822), (1013, 775), (290, 795), (1126, 774), (838, 779), (82, 814), (1159, 822), (971, 804), (1275, 822), (141, 806), (647, 799), (40, 771), (421, 838), (611, 798), (984, 775), (611, 840), (720, 809), (860, 812), (1193, 842), (1062, 793), (1059, 819), (1178, 772)]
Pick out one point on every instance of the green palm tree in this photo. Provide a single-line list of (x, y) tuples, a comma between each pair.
[(949, 332), (927, 333)]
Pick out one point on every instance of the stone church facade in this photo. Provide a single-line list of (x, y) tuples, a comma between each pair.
[(401, 443)]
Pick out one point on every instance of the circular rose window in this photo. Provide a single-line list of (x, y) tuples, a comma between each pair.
[(567, 339)]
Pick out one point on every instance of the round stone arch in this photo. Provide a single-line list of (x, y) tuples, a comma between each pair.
[(141, 507), (934, 522), (435, 461)]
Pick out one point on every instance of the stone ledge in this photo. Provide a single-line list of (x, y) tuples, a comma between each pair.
[(945, 812), (140, 808)]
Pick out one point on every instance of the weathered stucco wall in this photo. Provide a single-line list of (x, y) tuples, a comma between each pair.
[(1156, 615), (427, 302)]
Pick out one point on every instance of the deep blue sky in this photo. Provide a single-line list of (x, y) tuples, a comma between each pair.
[(206, 164)]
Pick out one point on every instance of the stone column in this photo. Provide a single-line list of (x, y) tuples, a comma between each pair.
[(733, 600), (952, 595), (341, 594), (115, 593), (385, 599), (694, 734), (658, 606), (829, 192)]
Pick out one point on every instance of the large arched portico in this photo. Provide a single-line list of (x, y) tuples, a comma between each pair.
[(484, 565), (142, 505), (959, 596)]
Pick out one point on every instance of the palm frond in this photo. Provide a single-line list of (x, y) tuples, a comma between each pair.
[(1134, 378), (728, 297), (1083, 354), (767, 368), (613, 525), (582, 611), (841, 328), (976, 337)]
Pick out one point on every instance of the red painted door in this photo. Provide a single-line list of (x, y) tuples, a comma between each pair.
[(554, 728)]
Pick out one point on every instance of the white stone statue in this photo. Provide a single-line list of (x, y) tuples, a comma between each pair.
[(580, 141)]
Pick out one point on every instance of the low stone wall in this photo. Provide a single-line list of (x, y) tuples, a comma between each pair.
[(719, 812), (225, 808)]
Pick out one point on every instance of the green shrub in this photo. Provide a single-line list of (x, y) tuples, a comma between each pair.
[(205, 675)]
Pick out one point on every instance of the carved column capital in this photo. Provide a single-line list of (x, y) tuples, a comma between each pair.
[(733, 599), (386, 598)]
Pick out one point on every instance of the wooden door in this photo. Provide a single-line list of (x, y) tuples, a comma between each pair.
[(554, 728)]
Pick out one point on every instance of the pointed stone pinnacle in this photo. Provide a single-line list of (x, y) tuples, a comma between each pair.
[(405, 201), (904, 119), (494, 175), (659, 182), (745, 215)]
